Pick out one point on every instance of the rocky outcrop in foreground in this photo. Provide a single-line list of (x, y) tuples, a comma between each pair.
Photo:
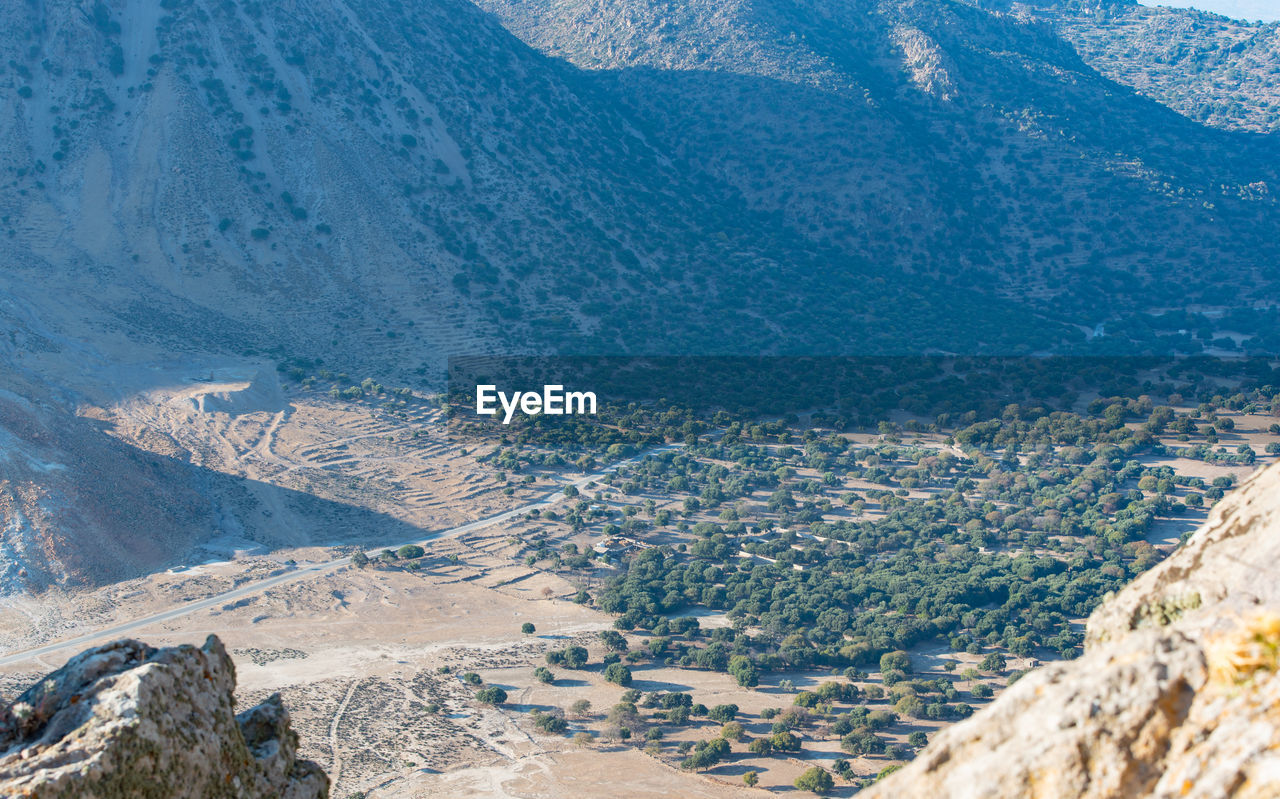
[(129, 720), (1176, 695)]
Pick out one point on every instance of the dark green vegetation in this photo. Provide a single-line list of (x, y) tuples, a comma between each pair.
[(816, 779), (994, 532), (491, 695), (830, 117)]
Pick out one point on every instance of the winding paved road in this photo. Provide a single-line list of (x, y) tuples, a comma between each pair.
[(315, 569)]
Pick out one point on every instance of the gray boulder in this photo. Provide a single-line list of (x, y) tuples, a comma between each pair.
[(128, 720)]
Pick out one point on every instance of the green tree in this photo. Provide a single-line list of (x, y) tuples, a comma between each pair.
[(573, 657), (618, 674), (899, 661), (550, 723), (910, 706), (862, 742), (491, 695), (744, 670), (706, 754), (816, 779), (993, 662), (784, 741), (527, 628), (410, 552), (614, 640)]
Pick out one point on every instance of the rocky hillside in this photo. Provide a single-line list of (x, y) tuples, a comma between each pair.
[(1176, 694), (387, 184), (1212, 69), (127, 720), (968, 147), (382, 186)]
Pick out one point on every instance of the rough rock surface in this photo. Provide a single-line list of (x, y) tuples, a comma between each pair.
[(128, 720), (1176, 694)]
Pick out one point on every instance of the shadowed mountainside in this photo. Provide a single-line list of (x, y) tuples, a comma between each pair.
[(382, 184), (967, 147)]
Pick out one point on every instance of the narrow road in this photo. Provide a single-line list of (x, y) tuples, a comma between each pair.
[(316, 569)]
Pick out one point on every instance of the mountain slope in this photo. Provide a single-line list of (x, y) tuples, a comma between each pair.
[(971, 147), (351, 179), (1212, 69)]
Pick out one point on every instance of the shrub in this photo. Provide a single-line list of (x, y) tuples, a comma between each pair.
[(550, 723), (618, 674), (816, 779), (491, 695)]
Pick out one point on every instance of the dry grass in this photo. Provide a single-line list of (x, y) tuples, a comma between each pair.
[(1236, 657)]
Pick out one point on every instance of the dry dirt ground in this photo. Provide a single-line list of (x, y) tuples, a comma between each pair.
[(357, 656)]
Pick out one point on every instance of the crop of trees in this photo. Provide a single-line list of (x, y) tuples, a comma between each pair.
[(572, 657), (1043, 514), (993, 528), (995, 535)]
